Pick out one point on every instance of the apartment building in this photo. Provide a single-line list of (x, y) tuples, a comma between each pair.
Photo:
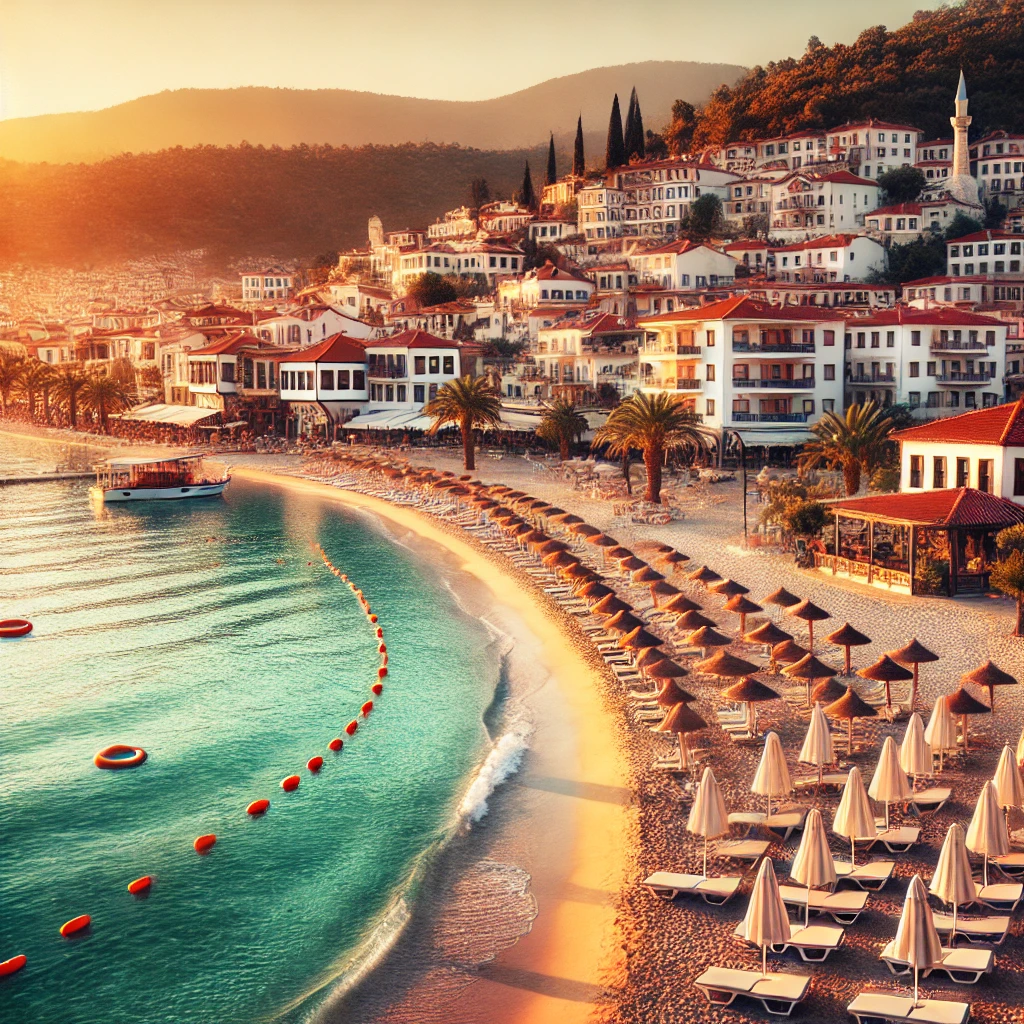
[(807, 204), (590, 348), (600, 211), (997, 162), (274, 283), (843, 257), (870, 148), (683, 265)]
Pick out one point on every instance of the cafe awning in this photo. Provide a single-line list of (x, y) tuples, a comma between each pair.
[(964, 507), (176, 415)]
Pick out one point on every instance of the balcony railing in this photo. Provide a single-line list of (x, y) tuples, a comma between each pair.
[(669, 349), (770, 417), (964, 378), (958, 346), (777, 384), (386, 373), (673, 383), (773, 349), (871, 378)]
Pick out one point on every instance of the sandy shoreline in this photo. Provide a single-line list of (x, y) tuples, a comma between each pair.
[(560, 970)]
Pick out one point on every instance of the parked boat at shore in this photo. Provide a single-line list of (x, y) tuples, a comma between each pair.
[(154, 479)]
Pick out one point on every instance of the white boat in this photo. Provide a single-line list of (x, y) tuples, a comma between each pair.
[(139, 479)]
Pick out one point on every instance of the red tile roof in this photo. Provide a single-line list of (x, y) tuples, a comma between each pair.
[(963, 506), (941, 316), (229, 345), (338, 348), (846, 178), (413, 339), (826, 242), (984, 236), (746, 243), (1002, 425), (549, 272), (913, 209), (743, 308)]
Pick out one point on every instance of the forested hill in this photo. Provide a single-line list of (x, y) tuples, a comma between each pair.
[(908, 75), (239, 200)]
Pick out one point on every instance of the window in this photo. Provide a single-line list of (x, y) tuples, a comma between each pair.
[(915, 369), (890, 339), (261, 376), (962, 472), (828, 405), (1018, 477), (343, 380), (227, 373), (711, 371), (449, 364), (860, 339), (402, 391), (830, 371), (435, 363), (916, 470), (710, 404), (939, 472), (326, 380), (931, 369), (711, 339), (914, 399), (417, 393), (985, 475), (420, 364), (829, 338), (875, 338), (915, 337), (358, 380)]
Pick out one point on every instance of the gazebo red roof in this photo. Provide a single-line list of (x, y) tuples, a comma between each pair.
[(959, 506)]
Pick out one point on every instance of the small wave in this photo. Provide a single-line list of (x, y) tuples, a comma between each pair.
[(501, 764)]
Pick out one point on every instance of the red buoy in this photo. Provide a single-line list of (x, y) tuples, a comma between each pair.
[(382, 671), (336, 744), (291, 783), (380, 633), (14, 627), (366, 708), (13, 965), (75, 925), (377, 688), (258, 807), (204, 843), (140, 884), (373, 618), (351, 728), (314, 764)]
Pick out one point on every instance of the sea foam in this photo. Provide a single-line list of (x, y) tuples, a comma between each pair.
[(500, 764)]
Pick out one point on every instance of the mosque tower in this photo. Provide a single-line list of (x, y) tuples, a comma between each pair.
[(960, 185)]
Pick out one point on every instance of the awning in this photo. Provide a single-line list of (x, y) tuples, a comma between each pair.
[(178, 415), (770, 437), (374, 420), (520, 420)]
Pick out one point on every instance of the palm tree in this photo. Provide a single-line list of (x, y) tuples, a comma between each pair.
[(11, 367), (102, 395), (563, 424), (854, 442), (34, 379), (68, 381), (654, 423), (469, 402), (1008, 576)]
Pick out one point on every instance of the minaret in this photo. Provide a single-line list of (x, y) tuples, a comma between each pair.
[(961, 122)]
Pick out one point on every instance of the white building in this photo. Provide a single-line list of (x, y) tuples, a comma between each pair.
[(843, 257), (325, 383), (683, 266), (549, 230), (873, 147), (459, 259), (590, 348), (600, 211), (939, 361), (306, 325), (765, 371), (457, 224), (752, 253), (906, 222), (806, 204), (800, 149), (405, 371), (357, 298), (551, 285), (984, 252), (751, 197), (935, 159), (503, 217), (998, 164), (271, 284)]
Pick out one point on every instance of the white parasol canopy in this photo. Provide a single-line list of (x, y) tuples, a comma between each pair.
[(941, 729), (708, 815), (772, 776), (1007, 780), (953, 881), (917, 941), (986, 834), (766, 921), (817, 746), (889, 784), (915, 753), (854, 818), (813, 865)]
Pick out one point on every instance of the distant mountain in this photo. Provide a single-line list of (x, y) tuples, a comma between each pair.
[(340, 117)]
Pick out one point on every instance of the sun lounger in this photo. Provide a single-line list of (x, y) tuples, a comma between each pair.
[(785, 823), (872, 876), (1001, 898), (895, 840), (874, 1006), (746, 820), (844, 907), (715, 891), (813, 942), (964, 966), (829, 780), (930, 801), (1011, 865), (777, 993), (742, 849), (988, 930)]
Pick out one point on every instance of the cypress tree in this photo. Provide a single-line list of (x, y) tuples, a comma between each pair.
[(526, 196), (552, 169), (641, 146), (634, 136), (579, 165), (615, 151), (629, 131)]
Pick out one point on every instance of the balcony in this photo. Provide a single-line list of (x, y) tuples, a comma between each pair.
[(777, 384), (669, 349), (769, 417), (955, 345), (878, 379), (964, 379), (672, 383), (386, 373), (770, 351)]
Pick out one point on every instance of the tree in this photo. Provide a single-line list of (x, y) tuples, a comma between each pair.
[(431, 290), (552, 166), (1008, 576), (562, 424), (68, 381), (854, 443), (679, 134), (756, 225), (615, 149), (468, 402), (35, 377), (995, 213), (633, 138), (805, 518), (1010, 539), (962, 225), (526, 196), (901, 184), (911, 261), (655, 146), (704, 218), (579, 163), (654, 424), (11, 368), (479, 193), (103, 394)]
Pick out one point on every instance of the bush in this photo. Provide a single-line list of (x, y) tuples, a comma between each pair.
[(931, 576), (885, 479), (1010, 539), (806, 518)]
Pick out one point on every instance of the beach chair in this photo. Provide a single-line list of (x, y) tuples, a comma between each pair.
[(742, 849), (813, 942), (832, 781), (716, 891), (746, 820), (777, 993), (844, 907), (964, 966), (929, 801), (869, 1007), (1011, 864), (895, 840), (784, 823), (871, 877), (1002, 898), (990, 931)]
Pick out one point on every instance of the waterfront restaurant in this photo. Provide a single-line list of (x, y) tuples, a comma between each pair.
[(929, 542)]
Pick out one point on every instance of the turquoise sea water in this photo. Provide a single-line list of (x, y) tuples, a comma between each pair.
[(199, 631)]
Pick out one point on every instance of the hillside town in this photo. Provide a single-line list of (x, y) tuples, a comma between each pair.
[(748, 280)]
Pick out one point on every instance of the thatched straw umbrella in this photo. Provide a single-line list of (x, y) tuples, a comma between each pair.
[(886, 671), (787, 652), (666, 669), (653, 546), (602, 540), (847, 637), (751, 692), (679, 604), (558, 559), (728, 588), (828, 691), (585, 530), (989, 675), (639, 638), (703, 575), (646, 574), (581, 572), (611, 604), (694, 620), (671, 693), (623, 622), (706, 637), (849, 707), (726, 665), (630, 563), (550, 546), (648, 657), (742, 606), (961, 703), (512, 495), (913, 654), (672, 558), (618, 552), (681, 720), (781, 598), (810, 669), (810, 613), (660, 589), (565, 519), (595, 590)]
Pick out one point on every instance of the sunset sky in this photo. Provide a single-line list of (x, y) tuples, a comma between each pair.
[(61, 55)]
